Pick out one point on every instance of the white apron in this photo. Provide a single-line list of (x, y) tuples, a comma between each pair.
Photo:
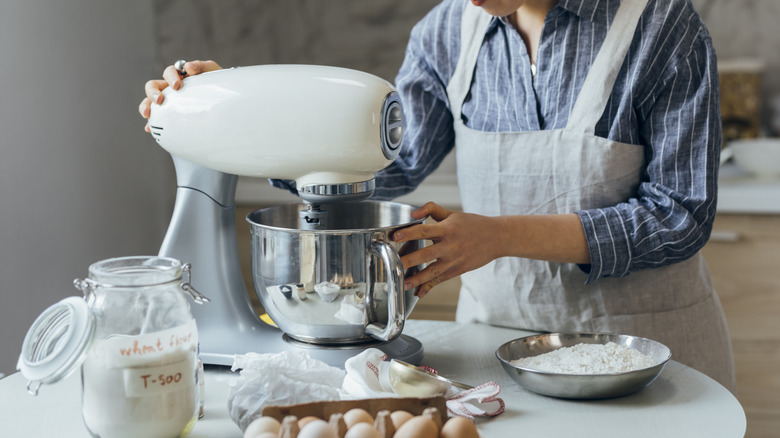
[(560, 171)]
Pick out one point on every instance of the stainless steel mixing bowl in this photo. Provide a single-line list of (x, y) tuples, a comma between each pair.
[(581, 386), (340, 282)]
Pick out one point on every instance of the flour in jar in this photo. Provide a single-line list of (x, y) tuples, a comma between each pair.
[(143, 385), (606, 358)]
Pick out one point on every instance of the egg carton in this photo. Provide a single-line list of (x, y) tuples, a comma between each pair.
[(367, 418), (373, 406)]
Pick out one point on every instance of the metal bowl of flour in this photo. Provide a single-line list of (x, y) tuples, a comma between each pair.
[(581, 385)]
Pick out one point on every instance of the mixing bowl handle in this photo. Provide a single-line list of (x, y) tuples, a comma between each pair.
[(396, 307)]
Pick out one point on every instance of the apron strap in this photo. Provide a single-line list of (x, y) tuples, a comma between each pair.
[(598, 85), (473, 27)]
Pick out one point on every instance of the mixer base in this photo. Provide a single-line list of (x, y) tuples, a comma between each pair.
[(405, 348), (220, 344)]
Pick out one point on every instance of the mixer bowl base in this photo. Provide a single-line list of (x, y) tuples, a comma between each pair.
[(405, 348)]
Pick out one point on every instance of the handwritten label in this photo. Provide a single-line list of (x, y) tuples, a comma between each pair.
[(124, 351), (160, 379)]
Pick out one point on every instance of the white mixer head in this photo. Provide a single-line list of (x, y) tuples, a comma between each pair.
[(330, 129)]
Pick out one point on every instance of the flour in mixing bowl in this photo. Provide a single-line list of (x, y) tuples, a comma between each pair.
[(588, 359)]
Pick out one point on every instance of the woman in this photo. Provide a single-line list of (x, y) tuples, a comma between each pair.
[(587, 136)]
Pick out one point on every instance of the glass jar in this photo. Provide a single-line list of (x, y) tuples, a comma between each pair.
[(137, 348)]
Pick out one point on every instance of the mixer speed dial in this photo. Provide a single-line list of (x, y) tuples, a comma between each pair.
[(392, 126)]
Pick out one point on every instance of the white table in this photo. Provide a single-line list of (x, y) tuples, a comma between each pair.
[(682, 402)]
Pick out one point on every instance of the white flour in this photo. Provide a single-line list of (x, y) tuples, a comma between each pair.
[(143, 385), (588, 359), (108, 411)]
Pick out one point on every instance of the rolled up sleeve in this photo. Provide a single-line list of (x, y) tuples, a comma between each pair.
[(671, 217)]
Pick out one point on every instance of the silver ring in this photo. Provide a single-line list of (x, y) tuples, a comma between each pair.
[(179, 66)]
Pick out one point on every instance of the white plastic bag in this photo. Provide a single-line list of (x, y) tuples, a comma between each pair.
[(368, 377), (274, 379)]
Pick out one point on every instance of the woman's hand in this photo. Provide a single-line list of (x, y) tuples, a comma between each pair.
[(461, 242), (171, 78)]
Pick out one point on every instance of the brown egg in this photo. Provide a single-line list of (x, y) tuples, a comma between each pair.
[(357, 415), (306, 420), (260, 425), (417, 427), (362, 430), (317, 429), (399, 418), (459, 427)]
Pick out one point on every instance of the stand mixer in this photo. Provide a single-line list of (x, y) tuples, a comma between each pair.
[(328, 129)]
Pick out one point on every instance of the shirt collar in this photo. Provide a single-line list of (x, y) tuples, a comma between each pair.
[(591, 10)]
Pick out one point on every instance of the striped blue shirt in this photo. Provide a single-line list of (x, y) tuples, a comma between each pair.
[(665, 99)]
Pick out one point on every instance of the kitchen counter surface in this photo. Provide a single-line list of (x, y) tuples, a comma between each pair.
[(740, 192), (681, 402)]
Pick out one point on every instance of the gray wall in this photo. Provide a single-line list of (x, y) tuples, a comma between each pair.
[(371, 35), (79, 178), (365, 35)]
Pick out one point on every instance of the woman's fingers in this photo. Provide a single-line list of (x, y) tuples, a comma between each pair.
[(460, 242), (171, 78), (191, 68), (153, 90), (432, 209), (417, 232), (435, 256), (144, 107), (197, 67), (424, 231), (433, 275), (421, 256)]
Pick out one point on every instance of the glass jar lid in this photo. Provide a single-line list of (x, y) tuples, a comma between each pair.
[(56, 343)]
